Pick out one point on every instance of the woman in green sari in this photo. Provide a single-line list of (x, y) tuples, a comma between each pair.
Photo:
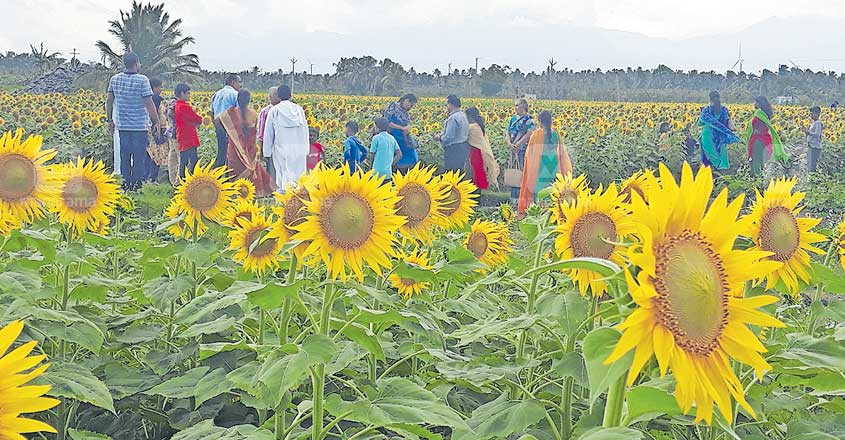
[(763, 141)]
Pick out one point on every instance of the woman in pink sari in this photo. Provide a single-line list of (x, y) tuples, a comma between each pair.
[(242, 155)]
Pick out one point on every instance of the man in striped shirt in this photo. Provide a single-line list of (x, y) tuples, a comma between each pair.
[(130, 102)]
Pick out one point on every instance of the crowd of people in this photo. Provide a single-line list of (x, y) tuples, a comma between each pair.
[(274, 147)]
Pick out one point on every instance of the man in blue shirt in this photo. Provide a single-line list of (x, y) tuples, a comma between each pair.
[(384, 149), (454, 138), (130, 103), (221, 101)]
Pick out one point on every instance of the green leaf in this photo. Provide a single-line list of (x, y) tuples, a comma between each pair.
[(572, 365), (612, 434), (501, 418), (646, 403), (69, 326), (139, 333), (397, 401), (568, 310), (212, 385), (77, 434), (282, 371), (218, 325), (832, 281), (206, 430), (204, 305), (163, 291), (20, 282), (272, 296), (362, 336), (76, 382), (179, 387), (124, 381), (603, 267), (494, 327), (200, 252), (72, 253), (598, 345), (414, 272), (814, 352), (176, 220)]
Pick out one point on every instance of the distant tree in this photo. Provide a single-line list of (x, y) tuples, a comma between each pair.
[(493, 79), (148, 31), (44, 58)]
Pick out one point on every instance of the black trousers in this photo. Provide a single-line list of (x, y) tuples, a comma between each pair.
[(187, 161), (456, 158), (222, 145)]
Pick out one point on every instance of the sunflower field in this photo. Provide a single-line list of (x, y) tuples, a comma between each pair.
[(657, 306)]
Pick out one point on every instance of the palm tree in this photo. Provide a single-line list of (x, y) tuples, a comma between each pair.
[(147, 31), (43, 57)]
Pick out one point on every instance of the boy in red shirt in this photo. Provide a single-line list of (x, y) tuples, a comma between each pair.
[(316, 154), (187, 121)]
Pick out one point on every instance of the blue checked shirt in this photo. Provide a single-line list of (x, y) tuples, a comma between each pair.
[(130, 90)]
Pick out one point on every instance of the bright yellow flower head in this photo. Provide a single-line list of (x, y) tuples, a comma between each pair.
[(182, 229), (460, 199), (408, 287), (691, 314), (87, 195), (775, 227), (8, 222), (591, 228), (841, 243), (25, 182), (566, 190), (638, 184), (351, 220), (245, 190), (490, 242), (258, 243), (291, 209), (421, 200), (241, 209), (17, 368), (205, 193)]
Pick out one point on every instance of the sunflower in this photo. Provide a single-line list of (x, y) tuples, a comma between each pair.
[(460, 201), (506, 213), (566, 190), (409, 287), (8, 222), (591, 228), (638, 183), (690, 312), (241, 209), (351, 220), (421, 200), (19, 398), (87, 195), (25, 182), (205, 193), (841, 243), (257, 243), (489, 241), (244, 190), (182, 229), (776, 228), (291, 209)]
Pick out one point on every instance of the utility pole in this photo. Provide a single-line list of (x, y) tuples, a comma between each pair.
[(73, 61), (311, 70), (476, 65), (292, 71)]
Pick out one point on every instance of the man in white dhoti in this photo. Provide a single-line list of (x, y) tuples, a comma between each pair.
[(286, 139)]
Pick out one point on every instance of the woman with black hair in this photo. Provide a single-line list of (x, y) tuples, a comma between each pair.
[(484, 167), (763, 141), (545, 158), (241, 125)]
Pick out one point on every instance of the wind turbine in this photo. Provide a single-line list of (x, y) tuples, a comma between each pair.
[(739, 59)]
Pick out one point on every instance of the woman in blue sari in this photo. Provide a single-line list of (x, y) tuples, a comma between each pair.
[(716, 133), (400, 128)]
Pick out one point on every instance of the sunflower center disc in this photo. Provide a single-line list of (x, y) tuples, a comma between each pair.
[(415, 203), (202, 194), (692, 290), (591, 234), (779, 233), (261, 249), (347, 221), (477, 244), (567, 197), (629, 190), (18, 177), (452, 203), (80, 194), (408, 281), (294, 212), (243, 191), (246, 215)]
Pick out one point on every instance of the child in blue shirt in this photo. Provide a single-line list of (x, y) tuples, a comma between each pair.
[(354, 151), (384, 149)]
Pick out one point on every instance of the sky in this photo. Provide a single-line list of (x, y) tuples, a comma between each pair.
[(433, 34)]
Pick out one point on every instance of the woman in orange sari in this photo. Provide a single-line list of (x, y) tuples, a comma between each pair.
[(545, 158), (242, 154)]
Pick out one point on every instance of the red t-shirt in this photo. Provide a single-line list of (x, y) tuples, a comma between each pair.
[(187, 121), (314, 155)]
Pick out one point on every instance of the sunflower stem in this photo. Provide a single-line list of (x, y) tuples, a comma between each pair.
[(286, 306), (532, 297), (615, 399), (811, 326), (318, 373), (566, 396)]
